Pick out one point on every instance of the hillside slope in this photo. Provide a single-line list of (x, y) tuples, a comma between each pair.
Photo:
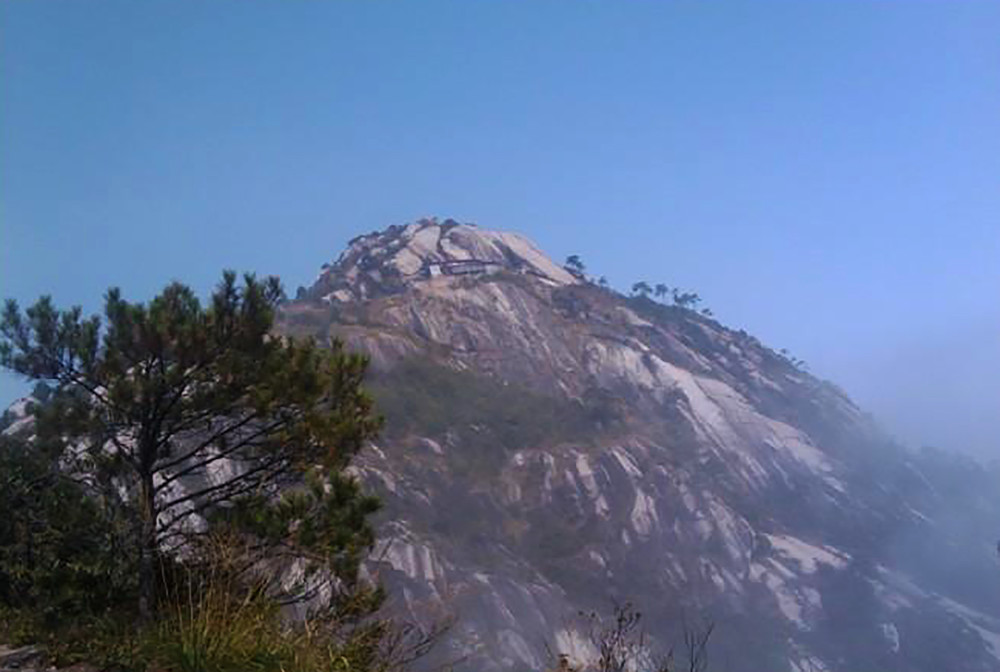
[(553, 446)]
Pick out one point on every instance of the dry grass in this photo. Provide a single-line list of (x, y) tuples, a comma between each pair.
[(227, 620)]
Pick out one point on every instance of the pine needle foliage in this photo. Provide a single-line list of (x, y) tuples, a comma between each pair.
[(171, 412)]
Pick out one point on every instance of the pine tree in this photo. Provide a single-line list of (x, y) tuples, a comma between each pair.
[(641, 288), (176, 412), (689, 300), (575, 265)]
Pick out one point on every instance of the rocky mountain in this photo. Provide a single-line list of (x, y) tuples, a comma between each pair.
[(553, 446)]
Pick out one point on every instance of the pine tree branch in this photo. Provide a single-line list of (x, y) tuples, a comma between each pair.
[(264, 466), (243, 443), (225, 431), (244, 484)]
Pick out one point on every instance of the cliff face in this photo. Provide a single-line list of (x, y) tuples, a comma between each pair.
[(553, 446)]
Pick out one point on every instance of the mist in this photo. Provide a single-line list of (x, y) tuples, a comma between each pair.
[(940, 390)]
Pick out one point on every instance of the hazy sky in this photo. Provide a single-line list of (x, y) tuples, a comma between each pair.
[(825, 174)]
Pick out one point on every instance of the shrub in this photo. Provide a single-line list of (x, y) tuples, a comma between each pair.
[(61, 561)]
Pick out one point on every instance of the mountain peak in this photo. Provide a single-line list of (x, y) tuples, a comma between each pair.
[(390, 261)]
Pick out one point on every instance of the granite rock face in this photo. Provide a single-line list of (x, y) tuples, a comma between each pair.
[(554, 446), (400, 257)]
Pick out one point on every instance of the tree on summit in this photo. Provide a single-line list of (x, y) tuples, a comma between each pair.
[(661, 290), (575, 265), (688, 300), (174, 411), (641, 288)]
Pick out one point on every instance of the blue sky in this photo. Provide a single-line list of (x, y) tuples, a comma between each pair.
[(825, 174)]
